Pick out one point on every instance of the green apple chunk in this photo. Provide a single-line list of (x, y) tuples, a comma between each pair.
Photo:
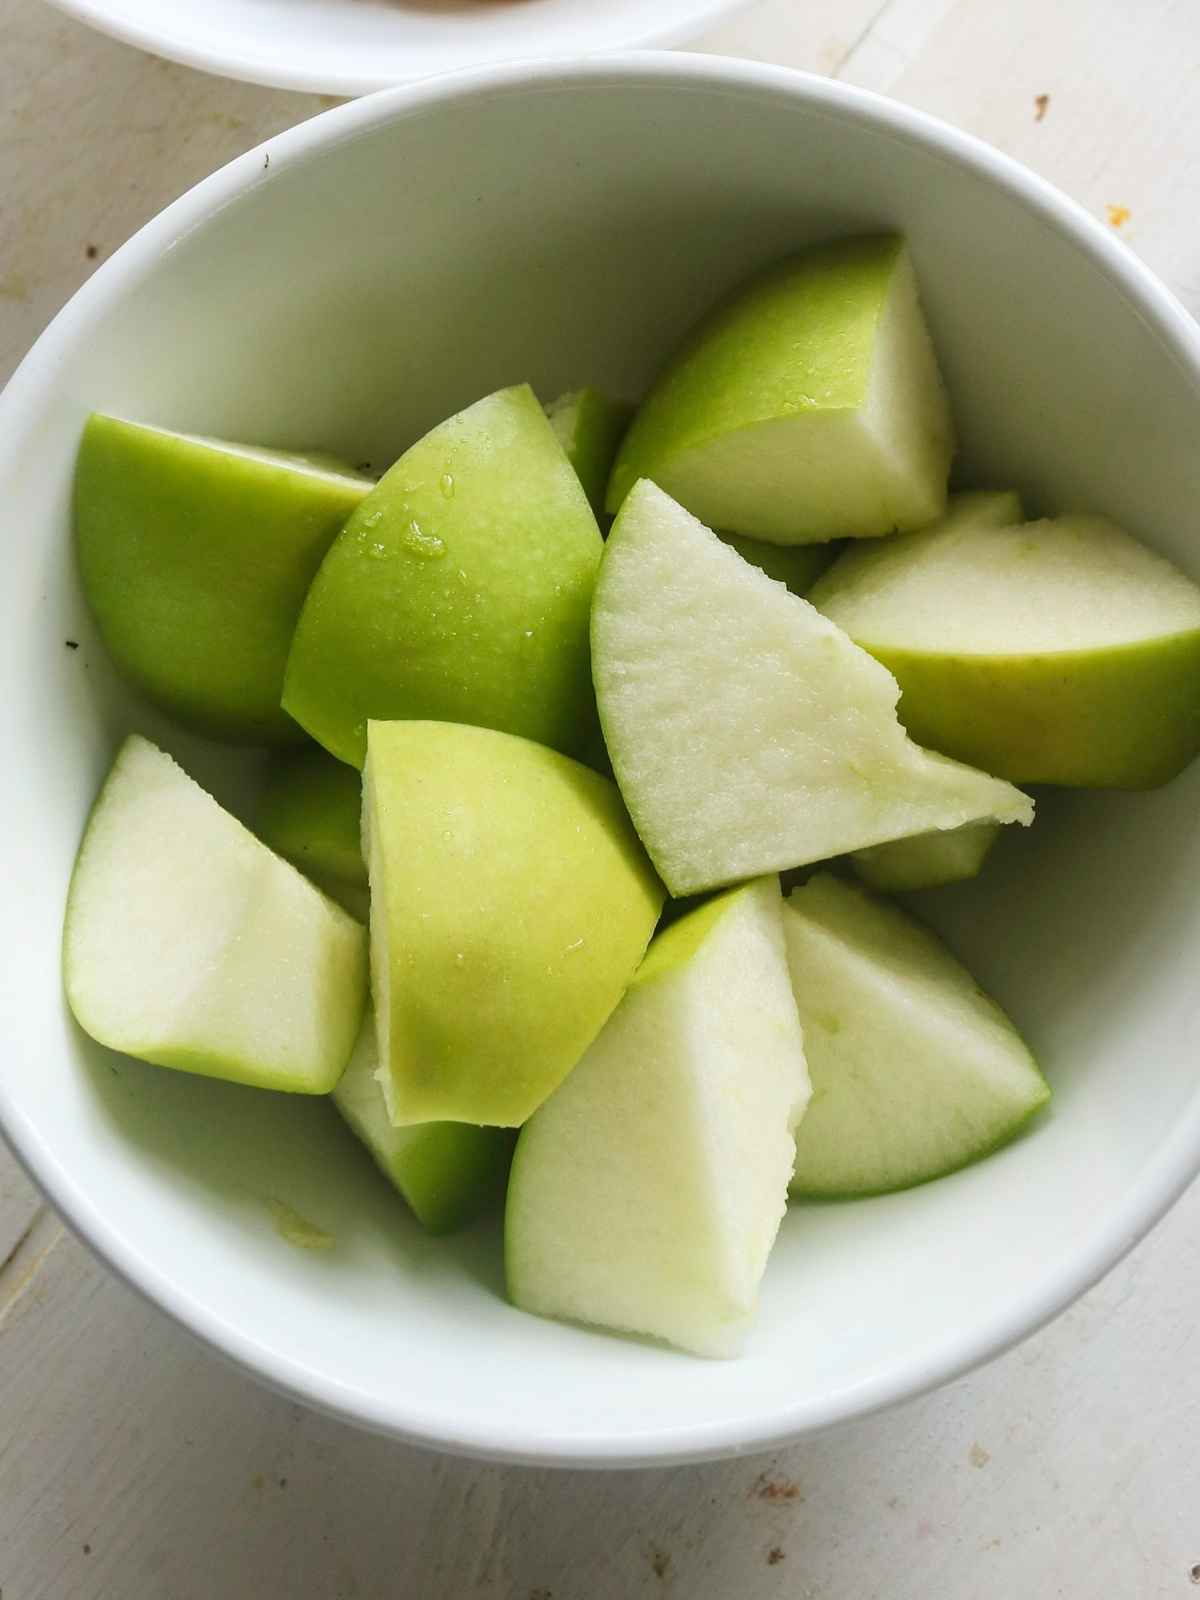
[(310, 812), (189, 944), (747, 733), (589, 427), (510, 904), (807, 407), (915, 1071), (196, 556), (1060, 651), (797, 565), (647, 1192), (448, 1172), (928, 860), (458, 591)]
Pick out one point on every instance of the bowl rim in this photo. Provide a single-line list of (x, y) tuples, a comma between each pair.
[(1174, 1164), (108, 17)]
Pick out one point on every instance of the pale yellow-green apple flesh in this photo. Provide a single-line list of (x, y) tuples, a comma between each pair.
[(807, 407), (928, 860), (196, 556), (796, 565), (589, 426), (310, 812), (510, 905), (915, 1071), (647, 1192), (1060, 651), (458, 591), (190, 944), (747, 733), (448, 1172)]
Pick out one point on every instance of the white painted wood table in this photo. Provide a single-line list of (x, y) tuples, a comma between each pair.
[(136, 1466)]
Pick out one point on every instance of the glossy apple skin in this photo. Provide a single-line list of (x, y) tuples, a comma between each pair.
[(195, 562), (590, 426), (511, 903), (459, 591)]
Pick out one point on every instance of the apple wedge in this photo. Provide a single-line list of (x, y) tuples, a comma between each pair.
[(458, 591), (510, 905), (448, 1172), (196, 556), (747, 733), (796, 565), (915, 1071), (1060, 651), (589, 427), (647, 1192), (189, 944), (807, 407), (310, 812), (928, 860)]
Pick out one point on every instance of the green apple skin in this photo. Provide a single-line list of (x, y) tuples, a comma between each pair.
[(449, 1173), (310, 812), (189, 944), (646, 1193), (510, 905), (796, 565), (590, 426), (196, 557), (805, 408), (1094, 710), (915, 1071), (927, 860), (458, 591)]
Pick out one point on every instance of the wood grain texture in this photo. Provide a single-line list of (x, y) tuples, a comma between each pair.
[(135, 1465)]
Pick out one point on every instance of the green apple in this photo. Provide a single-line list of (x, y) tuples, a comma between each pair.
[(448, 1172), (196, 556), (807, 407), (797, 565), (190, 944), (928, 860), (458, 591), (915, 1071), (747, 733), (310, 812), (510, 905), (647, 1192), (589, 427), (1060, 651)]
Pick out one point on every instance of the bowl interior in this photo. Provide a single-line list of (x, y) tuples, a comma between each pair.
[(391, 264)]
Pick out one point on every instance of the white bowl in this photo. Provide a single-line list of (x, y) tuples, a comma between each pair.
[(350, 284), (350, 47)]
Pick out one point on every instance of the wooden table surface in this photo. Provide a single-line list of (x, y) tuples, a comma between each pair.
[(135, 1465)]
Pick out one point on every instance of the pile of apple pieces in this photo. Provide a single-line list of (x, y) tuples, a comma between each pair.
[(461, 632)]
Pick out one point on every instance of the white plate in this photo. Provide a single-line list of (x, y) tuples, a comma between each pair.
[(350, 284), (351, 47)]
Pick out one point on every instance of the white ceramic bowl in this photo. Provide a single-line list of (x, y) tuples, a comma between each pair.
[(350, 47), (349, 285)]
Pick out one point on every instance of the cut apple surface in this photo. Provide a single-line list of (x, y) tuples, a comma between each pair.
[(589, 427), (310, 812), (458, 591), (448, 1172), (915, 1071), (1060, 651), (189, 944), (747, 733), (510, 905), (806, 408), (647, 1192), (196, 556), (928, 860)]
